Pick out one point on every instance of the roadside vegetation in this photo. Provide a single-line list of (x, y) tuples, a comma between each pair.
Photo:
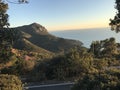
[(10, 82)]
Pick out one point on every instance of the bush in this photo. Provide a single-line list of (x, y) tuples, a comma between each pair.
[(10, 82), (98, 82)]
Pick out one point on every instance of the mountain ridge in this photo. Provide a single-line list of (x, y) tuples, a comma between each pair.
[(38, 35)]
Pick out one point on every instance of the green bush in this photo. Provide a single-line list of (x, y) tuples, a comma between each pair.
[(10, 82), (98, 82)]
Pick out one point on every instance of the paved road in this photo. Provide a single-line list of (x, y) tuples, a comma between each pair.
[(62, 86)]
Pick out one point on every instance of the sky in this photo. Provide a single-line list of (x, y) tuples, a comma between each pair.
[(62, 14)]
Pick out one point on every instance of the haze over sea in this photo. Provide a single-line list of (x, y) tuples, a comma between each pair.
[(86, 36)]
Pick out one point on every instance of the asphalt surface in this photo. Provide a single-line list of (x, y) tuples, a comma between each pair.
[(63, 86)]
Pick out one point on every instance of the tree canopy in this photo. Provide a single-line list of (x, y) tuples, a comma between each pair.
[(104, 48), (17, 1), (3, 9), (115, 23)]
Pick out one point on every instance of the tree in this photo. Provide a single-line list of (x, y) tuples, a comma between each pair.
[(4, 38), (95, 48), (71, 65), (7, 36), (115, 23), (3, 15), (104, 48), (110, 48), (3, 9), (17, 1)]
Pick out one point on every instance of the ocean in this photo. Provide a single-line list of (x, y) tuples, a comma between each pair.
[(86, 36)]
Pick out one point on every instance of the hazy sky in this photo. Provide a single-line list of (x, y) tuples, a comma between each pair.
[(63, 14)]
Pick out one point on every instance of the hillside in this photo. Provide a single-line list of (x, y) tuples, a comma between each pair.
[(36, 37)]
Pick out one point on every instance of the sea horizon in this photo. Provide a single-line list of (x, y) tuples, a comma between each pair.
[(86, 36)]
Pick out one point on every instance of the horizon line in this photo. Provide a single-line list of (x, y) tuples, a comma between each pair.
[(78, 29)]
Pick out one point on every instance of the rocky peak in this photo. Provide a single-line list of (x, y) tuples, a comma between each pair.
[(33, 28), (39, 29)]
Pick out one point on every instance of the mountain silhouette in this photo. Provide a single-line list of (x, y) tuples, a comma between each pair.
[(36, 37)]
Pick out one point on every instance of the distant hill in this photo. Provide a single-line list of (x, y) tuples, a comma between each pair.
[(35, 37)]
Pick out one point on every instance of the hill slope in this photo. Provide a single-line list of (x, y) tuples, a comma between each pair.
[(37, 37)]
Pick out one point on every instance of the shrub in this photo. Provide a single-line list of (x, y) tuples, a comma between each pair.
[(10, 82)]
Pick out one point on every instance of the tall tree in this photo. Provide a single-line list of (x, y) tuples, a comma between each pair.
[(115, 23), (6, 35), (3, 15), (4, 38)]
